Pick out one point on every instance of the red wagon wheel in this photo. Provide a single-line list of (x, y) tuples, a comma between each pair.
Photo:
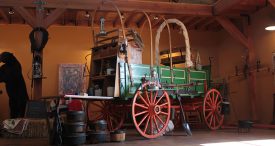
[(106, 110), (212, 107), (151, 111)]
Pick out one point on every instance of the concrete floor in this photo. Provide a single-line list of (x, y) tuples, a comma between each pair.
[(225, 137)]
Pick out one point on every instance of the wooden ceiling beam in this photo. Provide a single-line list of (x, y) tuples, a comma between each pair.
[(195, 23), (116, 21), (4, 15), (204, 25), (129, 19), (233, 30), (224, 5), (28, 17), (141, 21), (259, 3), (54, 15), (124, 5)]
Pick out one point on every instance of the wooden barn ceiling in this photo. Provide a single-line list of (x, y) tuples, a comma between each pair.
[(195, 14)]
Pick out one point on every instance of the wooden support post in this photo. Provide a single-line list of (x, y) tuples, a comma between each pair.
[(252, 76), (37, 90), (39, 21)]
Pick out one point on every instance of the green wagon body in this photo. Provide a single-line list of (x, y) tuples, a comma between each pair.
[(182, 76)]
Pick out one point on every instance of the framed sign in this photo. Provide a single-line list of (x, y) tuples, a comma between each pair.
[(71, 78)]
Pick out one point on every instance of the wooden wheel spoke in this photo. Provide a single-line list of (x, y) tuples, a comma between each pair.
[(95, 111), (146, 125), (114, 120), (159, 99), (208, 109), (110, 122), (214, 120), (143, 119), (151, 97), (155, 121), (155, 97), (216, 99), (98, 117), (147, 98), (141, 113), (151, 126), (211, 119), (219, 103), (209, 114), (163, 113), (160, 120), (98, 105), (163, 104), (212, 97), (209, 105), (143, 100), (141, 105)]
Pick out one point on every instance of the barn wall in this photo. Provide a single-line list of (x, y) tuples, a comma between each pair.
[(232, 53), (72, 44)]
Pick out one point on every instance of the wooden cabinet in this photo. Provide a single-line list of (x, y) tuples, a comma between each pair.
[(105, 58), (103, 65)]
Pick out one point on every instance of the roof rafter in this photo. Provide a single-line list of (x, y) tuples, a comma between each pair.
[(4, 15), (224, 5), (124, 5)]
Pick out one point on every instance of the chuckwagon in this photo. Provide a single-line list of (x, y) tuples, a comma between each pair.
[(147, 92)]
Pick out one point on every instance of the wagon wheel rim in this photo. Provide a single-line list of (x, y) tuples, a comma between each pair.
[(105, 110), (151, 112), (212, 107)]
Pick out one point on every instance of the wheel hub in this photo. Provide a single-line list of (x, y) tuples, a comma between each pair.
[(157, 109)]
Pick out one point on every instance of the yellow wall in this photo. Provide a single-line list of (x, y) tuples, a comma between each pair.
[(65, 45)]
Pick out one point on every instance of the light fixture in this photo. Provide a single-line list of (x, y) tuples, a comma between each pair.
[(11, 12), (122, 16), (270, 28), (87, 14), (156, 17)]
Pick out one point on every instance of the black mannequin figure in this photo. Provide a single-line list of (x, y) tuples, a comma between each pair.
[(11, 75)]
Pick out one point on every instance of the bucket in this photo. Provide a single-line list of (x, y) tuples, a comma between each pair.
[(118, 136), (225, 108)]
